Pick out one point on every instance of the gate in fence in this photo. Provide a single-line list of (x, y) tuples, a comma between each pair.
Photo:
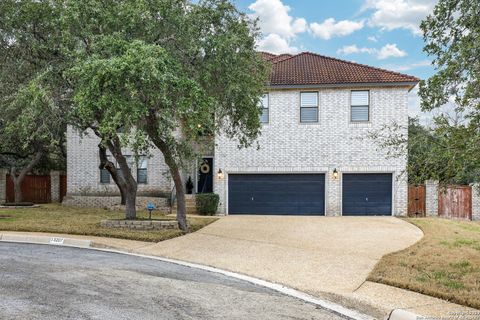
[(455, 202), (416, 201)]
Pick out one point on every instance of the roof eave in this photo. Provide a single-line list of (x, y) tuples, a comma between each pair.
[(410, 84)]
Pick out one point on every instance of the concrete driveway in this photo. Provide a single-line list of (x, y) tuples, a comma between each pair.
[(318, 255)]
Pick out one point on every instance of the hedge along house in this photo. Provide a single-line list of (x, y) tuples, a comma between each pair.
[(314, 158)]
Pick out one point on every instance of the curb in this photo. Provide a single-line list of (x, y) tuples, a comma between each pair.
[(88, 244), (67, 242), (400, 314)]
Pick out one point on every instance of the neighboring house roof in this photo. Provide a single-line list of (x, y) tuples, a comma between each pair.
[(308, 68)]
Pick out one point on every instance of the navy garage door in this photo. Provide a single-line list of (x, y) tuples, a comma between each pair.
[(367, 194), (296, 194)]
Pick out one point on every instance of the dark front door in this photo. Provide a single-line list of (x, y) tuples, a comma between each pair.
[(367, 194), (205, 176), (284, 194)]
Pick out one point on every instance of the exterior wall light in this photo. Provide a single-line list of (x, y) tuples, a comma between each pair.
[(335, 174), (220, 174)]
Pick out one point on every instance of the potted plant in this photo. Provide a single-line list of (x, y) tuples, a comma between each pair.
[(189, 185)]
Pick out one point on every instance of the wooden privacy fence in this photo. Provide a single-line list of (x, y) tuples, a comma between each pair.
[(416, 201), (36, 188), (455, 202)]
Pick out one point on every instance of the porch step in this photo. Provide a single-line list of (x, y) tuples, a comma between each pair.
[(190, 205)]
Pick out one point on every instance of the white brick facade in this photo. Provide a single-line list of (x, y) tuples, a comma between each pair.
[(287, 146), (84, 175)]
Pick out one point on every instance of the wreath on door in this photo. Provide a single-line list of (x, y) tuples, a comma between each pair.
[(205, 167)]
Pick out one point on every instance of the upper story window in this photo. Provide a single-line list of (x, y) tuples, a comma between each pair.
[(142, 170), (264, 103), (360, 106), (309, 107)]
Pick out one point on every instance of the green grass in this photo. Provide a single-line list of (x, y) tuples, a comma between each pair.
[(444, 264), (55, 218)]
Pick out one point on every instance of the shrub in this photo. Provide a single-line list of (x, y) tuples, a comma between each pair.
[(207, 203)]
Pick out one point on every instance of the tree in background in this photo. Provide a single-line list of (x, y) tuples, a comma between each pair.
[(33, 45), (32, 129), (32, 117), (449, 150), (452, 37)]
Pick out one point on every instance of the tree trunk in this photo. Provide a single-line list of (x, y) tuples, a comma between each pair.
[(154, 135), (125, 179), (17, 187), (177, 180), (181, 205), (110, 167), (18, 180)]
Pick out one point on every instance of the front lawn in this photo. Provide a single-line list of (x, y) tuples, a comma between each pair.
[(444, 264), (55, 218)]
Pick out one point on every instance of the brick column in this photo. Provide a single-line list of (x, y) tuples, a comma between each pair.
[(333, 193), (55, 186), (476, 201), (431, 195), (3, 185)]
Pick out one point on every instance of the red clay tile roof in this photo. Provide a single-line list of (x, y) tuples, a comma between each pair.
[(267, 55), (308, 68), (280, 57)]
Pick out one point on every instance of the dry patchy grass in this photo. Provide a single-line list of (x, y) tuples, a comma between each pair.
[(86, 221), (444, 264)]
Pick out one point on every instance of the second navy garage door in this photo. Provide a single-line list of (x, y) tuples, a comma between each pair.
[(295, 194), (367, 194)]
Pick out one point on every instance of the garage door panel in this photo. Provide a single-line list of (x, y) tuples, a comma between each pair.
[(302, 194), (367, 194)]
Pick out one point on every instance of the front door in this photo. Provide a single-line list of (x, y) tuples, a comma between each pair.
[(205, 176)]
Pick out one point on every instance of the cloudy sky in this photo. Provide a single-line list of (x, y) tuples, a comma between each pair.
[(381, 33)]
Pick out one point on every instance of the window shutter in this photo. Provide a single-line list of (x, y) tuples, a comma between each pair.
[(360, 113), (360, 98), (309, 99)]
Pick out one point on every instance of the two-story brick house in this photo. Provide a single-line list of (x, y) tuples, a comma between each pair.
[(314, 155)]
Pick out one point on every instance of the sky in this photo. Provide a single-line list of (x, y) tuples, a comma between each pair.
[(380, 33)]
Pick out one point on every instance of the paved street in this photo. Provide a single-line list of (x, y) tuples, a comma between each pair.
[(47, 282)]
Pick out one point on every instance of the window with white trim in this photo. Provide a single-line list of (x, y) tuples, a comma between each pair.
[(360, 106), (264, 104), (308, 107)]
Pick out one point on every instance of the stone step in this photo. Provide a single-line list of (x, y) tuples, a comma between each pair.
[(189, 210)]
